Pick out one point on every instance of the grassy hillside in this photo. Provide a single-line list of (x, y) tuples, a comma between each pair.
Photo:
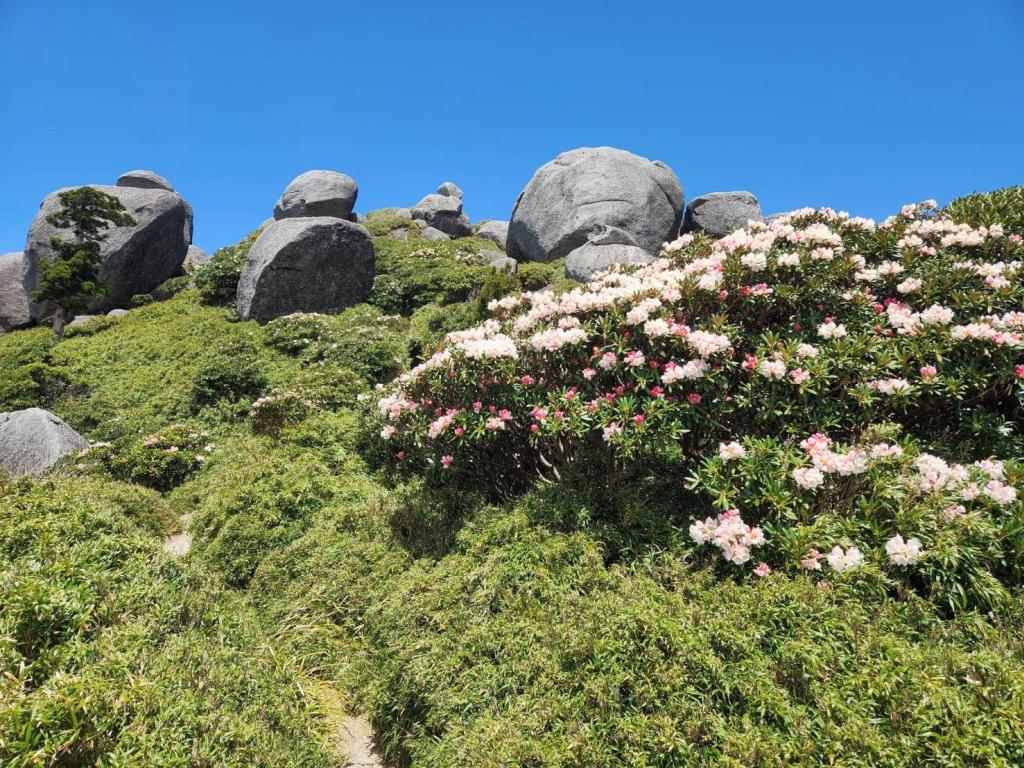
[(572, 622)]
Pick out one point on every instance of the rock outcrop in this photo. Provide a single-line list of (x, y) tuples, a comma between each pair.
[(443, 212), (318, 193), (136, 259), (314, 264), (604, 248), (720, 213), (431, 233), (581, 191), (33, 440), (495, 231), (13, 299), (144, 180)]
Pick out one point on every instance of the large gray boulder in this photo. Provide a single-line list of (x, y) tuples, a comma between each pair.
[(581, 191), (430, 233), (318, 193), (314, 264), (720, 213), (443, 212), (195, 259), (605, 247), (495, 231), (136, 259), (144, 180), (33, 440), (13, 299), (448, 189)]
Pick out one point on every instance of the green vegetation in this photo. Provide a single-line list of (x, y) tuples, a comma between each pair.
[(217, 281), (568, 625)]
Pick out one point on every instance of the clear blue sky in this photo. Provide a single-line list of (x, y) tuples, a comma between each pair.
[(863, 105)]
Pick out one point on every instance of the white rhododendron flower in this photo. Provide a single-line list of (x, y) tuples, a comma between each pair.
[(902, 552)]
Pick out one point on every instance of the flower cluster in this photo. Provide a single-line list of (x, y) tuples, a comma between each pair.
[(160, 460), (730, 534)]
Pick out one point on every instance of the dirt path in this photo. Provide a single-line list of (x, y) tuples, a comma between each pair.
[(180, 543), (352, 734)]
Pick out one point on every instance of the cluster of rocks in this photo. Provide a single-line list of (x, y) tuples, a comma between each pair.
[(313, 257), (135, 259)]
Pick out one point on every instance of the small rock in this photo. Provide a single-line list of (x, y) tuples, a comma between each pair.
[(33, 440), (503, 263), (318, 193), (356, 218), (448, 189), (720, 213), (401, 233), (144, 180), (403, 213), (13, 299), (195, 259), (429, 233), (495, 231), (117, 313)]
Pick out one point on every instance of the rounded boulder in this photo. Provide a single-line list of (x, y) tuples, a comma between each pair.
[(720, 213), (318, 193), (33, 440), (583, 190), (135, 259), (315, 264)]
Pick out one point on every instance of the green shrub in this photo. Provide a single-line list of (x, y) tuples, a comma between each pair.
[(217, 281), (162, 460), (231, 377), (381, 222), (983, 209)]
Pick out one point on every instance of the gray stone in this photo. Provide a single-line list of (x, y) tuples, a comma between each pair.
[(775, 217), (448, 189), (13, 299), (81, 320), (403, 213), (135, 259), (195, 259), (430, 233), (443, 213), (314, 264), (495, 231), (117, 313), (144, 180), (318, 193), (33, 440), (720, 213), (402, 233), (267, 222), (356, 218), (503, 263), (580, 191), (606, 247)]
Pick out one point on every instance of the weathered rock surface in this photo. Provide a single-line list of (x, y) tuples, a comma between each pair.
[(13, 299), (606, 247), (720, 213), (448, 189), (430, 233), (144, 180), (502, 263), (495, 231), (581, 191), (318, 193), (444, 213), (403, 213), (310, 264), (136, 259), (195, 259), (81, 320), (33, 440), (117, 313)]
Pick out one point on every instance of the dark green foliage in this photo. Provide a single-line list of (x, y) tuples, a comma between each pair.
[(218, 281), (28, 379), (162, 460), (112, 655), (382, 222), (229, 378), (70, 280), (430, 323), (982, 209)]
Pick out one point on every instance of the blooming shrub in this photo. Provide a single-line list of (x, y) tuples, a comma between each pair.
[(162, 460), (281, 409), (814, 322)]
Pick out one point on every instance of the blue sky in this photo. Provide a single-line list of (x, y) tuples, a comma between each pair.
[(860, 105)]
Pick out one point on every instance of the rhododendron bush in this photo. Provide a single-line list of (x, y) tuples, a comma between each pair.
[(816, 323)]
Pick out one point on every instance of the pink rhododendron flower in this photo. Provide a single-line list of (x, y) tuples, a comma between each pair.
[(446, 461), (762, 570)]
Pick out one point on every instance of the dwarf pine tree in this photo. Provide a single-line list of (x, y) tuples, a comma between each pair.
[(70, 279)]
